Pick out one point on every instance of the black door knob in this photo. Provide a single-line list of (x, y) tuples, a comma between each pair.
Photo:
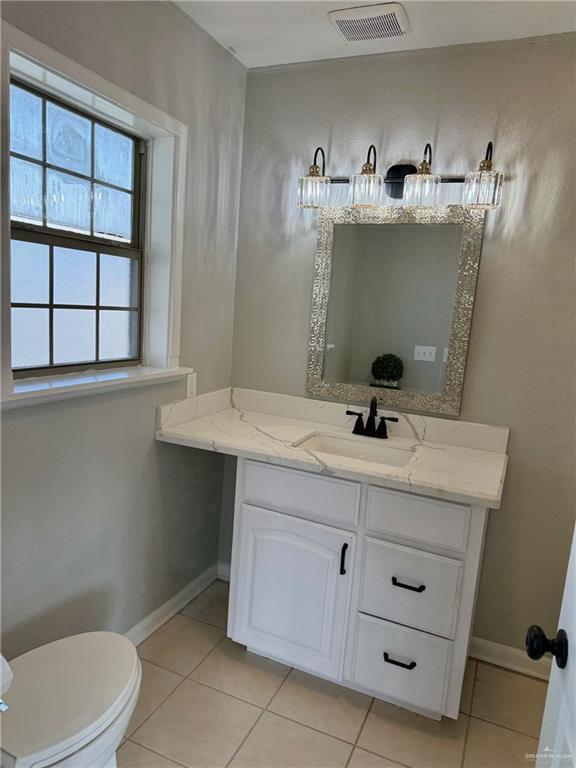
[(537, 644)]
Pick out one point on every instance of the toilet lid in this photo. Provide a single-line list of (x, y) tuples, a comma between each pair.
[(65, 693)]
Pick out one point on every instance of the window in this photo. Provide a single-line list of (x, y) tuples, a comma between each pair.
[(76, 238)]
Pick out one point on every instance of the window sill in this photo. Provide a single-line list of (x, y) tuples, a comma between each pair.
[(26, 392)]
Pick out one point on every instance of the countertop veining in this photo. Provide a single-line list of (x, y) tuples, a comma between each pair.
[(455, 473)]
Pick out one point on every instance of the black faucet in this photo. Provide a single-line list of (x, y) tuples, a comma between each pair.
[(382, 432), (370, 429), (358, 424)]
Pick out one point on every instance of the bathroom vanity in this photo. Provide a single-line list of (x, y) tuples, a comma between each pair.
[(353, 559), (357, 558), (357, 583)]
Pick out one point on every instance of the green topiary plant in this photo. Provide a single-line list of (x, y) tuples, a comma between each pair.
[(388, 368)]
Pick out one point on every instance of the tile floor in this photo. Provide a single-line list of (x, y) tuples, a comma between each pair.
[(207, 703)]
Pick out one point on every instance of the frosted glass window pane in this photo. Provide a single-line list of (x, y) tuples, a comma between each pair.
[(67, 202), (74, 276), (68, 139), (30, 344), (112, 213), (74, 335), (25, 191), (113, 157), (118, 333), (118, 281), (25, 123), (29, 272)]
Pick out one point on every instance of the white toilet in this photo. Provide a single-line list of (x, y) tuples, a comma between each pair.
[(70, 702)]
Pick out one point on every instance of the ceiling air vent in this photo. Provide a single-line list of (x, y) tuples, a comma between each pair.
[(371, 22)]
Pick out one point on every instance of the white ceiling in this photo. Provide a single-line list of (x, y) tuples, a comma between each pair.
[(267, 32)]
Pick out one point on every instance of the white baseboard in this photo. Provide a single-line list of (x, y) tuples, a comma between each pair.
[(509, 658), (223, 570), (160, 616)]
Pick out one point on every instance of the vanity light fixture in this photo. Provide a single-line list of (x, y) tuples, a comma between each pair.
[(416, 187), (483, 188), (367, 187), (421, 188), (314, 189)]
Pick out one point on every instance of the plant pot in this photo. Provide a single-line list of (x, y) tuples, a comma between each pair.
[(385, 384)]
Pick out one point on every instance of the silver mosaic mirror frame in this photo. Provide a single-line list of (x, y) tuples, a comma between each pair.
[(449, 400)]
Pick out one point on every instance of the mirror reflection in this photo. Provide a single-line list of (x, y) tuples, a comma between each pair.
[(390, 306)]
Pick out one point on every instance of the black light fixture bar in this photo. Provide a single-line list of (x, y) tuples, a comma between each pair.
[(443, 180)]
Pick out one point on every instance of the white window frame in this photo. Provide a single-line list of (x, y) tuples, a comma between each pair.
[(167, 140)]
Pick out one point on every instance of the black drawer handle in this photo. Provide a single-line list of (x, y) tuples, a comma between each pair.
[(388, 660), (397, 583), (343, 560)]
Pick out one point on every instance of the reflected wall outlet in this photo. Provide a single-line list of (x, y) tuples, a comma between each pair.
[(425, 354)]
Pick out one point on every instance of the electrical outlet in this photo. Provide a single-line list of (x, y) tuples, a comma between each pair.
[(191, 384), (425, 354)]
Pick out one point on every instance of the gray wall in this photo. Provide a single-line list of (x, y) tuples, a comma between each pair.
[(101, 524), (521, 364)]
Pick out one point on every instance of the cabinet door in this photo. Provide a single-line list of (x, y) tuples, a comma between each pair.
[(290, 597)]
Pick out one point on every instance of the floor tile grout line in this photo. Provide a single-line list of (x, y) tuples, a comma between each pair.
[(372, 700), (239, 747), (282, 684), (160, 754), (195, 618), (465, 745), (491, 722), (504, 727), (186, 676), (203, 659), (511, 671), (383, 757), (277, 691), (225, 693), (202, 621), (183, 680), (469, 715), (164, 669), (357, 745), (310, 727), (155, 710), (362, 724)]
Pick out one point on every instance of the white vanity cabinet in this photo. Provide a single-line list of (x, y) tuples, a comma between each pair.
[(362, 585), (292, 589)]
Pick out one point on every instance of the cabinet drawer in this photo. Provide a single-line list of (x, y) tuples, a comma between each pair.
[(411, 587), (412, 517), (301, 493), (421, 682)]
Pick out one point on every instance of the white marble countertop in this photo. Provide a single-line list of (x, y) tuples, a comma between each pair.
[(456, 473)]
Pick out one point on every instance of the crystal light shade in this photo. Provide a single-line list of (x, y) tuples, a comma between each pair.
[(313, 191), (483, 188), (367, 187), (421, 188), (366, 190)]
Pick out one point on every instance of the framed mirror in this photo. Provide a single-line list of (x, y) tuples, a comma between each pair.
[(392, 305)]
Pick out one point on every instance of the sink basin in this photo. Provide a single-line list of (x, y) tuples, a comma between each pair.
[(356, 447)]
